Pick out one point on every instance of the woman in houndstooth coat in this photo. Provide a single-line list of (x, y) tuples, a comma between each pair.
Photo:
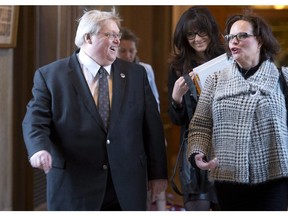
[(239, 129)]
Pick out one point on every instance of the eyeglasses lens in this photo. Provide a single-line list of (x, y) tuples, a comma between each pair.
[(240, 36), (192, 35)]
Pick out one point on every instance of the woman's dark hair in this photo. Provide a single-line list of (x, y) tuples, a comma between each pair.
[(196, 18), (270, 46)]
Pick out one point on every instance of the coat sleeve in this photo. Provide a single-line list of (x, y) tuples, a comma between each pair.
[(177, 116), (201, 125), (36, 123)]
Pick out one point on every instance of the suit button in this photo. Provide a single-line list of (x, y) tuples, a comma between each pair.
[(108, 142), (105, 167)]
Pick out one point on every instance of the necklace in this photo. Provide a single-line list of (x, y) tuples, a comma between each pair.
[(244, 74), (247, 73)]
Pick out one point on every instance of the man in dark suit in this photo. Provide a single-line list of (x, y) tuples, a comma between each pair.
[(91, 166)]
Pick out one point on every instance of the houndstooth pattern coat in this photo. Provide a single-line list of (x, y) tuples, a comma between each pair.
[(244, 124)]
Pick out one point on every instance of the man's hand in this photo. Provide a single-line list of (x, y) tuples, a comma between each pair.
[(157, 186), (41, 160)]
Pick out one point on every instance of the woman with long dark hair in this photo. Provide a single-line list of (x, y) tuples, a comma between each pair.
[(196, 40)]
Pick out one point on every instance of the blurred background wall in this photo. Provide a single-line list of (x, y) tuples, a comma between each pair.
[(46, 33)]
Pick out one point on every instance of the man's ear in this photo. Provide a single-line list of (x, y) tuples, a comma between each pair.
[(88, 38)]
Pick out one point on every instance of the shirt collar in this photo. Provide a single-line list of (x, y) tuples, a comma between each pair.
[(90, 64)]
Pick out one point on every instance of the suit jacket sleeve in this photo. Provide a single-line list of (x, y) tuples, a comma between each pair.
[(36, 123)]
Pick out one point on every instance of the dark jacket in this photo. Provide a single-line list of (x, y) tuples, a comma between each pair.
[(63, 119), (194, 182)]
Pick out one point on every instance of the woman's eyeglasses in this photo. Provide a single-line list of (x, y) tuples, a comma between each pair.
[(240, 36), (192, 35)]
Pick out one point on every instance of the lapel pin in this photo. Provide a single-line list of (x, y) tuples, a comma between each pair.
[(122, 75)]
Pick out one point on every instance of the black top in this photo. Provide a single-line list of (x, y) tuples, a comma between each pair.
[(250, 72)]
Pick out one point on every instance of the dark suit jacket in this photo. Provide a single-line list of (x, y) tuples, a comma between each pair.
[(63, 119)]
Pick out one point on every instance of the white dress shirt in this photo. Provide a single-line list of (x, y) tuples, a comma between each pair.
[(90, 69)]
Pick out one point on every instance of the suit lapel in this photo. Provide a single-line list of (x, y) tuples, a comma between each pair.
[(81, 88), (119, 76)]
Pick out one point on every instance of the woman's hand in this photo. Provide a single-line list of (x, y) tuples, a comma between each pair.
[(204, 165), (192, 75), (180, 88)]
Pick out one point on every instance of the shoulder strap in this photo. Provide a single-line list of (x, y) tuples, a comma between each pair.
[(191, 86), (180, 152), (189, 106), (173, 184)]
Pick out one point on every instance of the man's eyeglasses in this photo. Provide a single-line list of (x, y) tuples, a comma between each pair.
[(192, 35), (240, 36), (112, 35)]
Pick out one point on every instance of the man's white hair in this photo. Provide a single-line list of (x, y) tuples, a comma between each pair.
[(91, 23)]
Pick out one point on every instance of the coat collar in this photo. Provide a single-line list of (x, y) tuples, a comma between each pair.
[(119, 77), (231, 82), (81, 87)]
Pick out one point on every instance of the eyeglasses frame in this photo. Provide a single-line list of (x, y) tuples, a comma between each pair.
[(240, 36), (192, 35), (111, 35)]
